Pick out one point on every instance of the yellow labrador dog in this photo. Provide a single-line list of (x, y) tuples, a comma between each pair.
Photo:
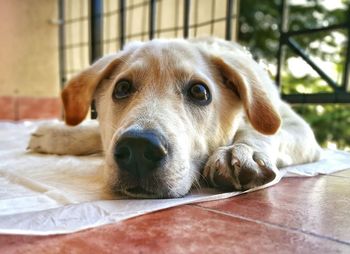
[(171, 112)]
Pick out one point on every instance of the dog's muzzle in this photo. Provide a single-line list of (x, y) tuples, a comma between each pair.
[(140, 153)]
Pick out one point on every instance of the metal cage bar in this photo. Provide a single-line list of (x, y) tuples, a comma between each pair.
[(122, 17), (61, 41), (280, 52), (228, 28), (339, 94), (187, 6), (346, 71), (336, 97), (152, 18), (96, 26), (300, 52)]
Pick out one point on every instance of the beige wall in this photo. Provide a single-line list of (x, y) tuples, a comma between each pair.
[(28, 48)]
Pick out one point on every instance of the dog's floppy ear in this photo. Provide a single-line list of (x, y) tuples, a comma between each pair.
[(78, 93), (258, 105)]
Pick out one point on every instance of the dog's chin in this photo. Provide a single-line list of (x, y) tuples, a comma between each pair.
[(153, 188), (139, 192)]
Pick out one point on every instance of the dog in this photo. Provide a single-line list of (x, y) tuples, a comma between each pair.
[(174, 112)]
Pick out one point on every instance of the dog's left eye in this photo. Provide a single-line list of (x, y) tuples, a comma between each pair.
[(122, 89), (199, 93)]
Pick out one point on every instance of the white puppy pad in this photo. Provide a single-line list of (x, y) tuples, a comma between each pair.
[(50, 194)]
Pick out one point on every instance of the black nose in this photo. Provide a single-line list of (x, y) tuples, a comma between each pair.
[(140, 152)]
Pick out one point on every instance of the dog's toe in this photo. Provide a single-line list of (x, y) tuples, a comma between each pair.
[(37, 141), (239, 167)]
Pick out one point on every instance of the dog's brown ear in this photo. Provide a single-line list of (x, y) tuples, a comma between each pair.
[(78, 93), (259, 107)]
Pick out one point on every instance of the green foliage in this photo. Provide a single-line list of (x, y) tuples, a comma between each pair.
[(259, 25), (259, 31), (330, 122)]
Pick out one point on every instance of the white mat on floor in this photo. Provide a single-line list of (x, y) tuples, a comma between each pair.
[(48, 194)]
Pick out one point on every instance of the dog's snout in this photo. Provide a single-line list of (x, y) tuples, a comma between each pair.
[(140, 152)]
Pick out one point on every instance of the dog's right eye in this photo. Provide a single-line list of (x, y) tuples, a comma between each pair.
[(122, 89), (199, 94)]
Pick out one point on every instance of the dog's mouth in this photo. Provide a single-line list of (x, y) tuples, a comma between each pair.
[(139, 192)]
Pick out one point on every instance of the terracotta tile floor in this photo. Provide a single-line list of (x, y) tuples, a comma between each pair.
[(298, 215)]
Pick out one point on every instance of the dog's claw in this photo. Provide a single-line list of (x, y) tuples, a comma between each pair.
[(36, 135), (261, 163)]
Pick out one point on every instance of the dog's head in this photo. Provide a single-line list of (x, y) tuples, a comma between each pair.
[(165, 105)]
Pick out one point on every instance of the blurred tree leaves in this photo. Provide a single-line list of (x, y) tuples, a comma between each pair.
[(259, 31), (330, 122)]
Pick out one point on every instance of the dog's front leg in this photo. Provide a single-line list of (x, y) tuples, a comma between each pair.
[(58, 138), (249, 162)]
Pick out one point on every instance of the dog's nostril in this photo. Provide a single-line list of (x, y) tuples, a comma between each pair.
[(122, 153), (155, 153)]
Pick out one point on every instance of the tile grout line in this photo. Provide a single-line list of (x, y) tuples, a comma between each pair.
[(270, 224), (339, 176)]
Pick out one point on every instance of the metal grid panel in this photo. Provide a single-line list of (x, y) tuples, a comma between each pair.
[(132, 20), (339, 89), (84, 37), (74, 34), (88, 33)]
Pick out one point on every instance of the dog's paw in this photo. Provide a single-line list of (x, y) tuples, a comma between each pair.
[(58, 138), (239, 167), (42, 140)]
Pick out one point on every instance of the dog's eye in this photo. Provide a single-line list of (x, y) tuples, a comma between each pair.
[(199, 93), (122, 89)]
